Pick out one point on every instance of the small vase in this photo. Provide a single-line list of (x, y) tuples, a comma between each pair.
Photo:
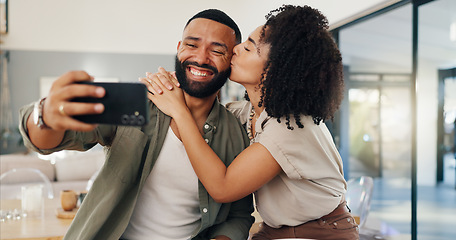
[(68, 199)]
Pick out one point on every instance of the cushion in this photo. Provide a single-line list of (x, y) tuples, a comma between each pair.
[(76, 166), (19, 160)]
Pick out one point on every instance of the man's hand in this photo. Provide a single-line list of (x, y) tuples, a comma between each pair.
[(58, 109)]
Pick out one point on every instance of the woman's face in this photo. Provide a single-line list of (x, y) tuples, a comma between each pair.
[(249, 60)]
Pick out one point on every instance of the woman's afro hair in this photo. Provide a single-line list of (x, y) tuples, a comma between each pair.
[(304, 72)]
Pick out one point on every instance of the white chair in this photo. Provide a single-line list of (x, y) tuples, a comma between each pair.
[(12, 181), (92, 179), (358, 197)]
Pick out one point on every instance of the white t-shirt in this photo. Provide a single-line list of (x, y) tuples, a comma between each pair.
[(311, 183), (168, 205)]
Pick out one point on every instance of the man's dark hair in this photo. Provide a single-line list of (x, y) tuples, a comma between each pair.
[(221, 17), (303, 74)]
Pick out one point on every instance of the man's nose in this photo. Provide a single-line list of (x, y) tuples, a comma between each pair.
[(202, 56)]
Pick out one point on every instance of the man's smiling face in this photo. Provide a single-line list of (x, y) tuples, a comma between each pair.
[(203, 57)]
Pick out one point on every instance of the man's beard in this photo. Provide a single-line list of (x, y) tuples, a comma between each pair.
[(200, 89)]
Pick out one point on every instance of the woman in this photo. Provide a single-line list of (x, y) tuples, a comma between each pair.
[(292, 72)]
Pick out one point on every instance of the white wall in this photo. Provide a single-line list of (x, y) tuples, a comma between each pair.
[(136, 26)]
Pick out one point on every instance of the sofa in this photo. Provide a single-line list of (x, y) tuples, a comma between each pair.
[(65, 170)]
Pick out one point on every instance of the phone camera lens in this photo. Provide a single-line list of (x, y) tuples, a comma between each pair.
[(141, 120), (125, 119), (133, 120)]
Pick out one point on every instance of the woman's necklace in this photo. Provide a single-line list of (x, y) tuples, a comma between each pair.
[(249, 129)]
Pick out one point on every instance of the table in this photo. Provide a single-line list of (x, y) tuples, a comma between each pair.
[(48, 227)]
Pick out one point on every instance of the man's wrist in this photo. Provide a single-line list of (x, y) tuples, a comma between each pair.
[(38, 114)]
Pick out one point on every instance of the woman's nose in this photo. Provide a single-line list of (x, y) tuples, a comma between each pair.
[(236, 49)]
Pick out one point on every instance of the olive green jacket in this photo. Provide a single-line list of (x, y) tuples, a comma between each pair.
[(130, 155)]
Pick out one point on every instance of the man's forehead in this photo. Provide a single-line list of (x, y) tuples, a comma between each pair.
[(206, 28)]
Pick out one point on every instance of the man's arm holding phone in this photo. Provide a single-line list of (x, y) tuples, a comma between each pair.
[(58, 108)]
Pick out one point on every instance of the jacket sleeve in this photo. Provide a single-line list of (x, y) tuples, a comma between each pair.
[(72, 140), (238, 222)]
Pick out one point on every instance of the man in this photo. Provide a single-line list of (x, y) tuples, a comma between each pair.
[(147, 188)]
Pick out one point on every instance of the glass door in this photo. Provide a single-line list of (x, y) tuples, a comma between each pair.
[(364, 127), (436, 92), (377, 57), (449, 160), (396, 128), (446, 140)]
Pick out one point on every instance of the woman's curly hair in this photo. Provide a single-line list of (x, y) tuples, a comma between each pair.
[(304, 72)]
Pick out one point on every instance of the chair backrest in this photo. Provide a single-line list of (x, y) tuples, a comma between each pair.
[(358, 197), (12, 180), (92, 179)]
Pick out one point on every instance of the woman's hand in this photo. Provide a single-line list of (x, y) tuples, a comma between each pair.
[(164, 91), (168, 80)]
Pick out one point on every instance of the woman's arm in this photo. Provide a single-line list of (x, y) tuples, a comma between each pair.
[(251, 169)]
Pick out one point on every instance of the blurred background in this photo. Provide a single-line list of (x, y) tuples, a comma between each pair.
[(396, 123)]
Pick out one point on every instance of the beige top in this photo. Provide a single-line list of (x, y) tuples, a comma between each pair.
[(312, 182)]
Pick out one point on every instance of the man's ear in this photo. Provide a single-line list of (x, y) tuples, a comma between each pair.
[(179, 44)]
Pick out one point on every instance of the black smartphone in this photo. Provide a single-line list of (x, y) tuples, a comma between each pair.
[(125, 104)]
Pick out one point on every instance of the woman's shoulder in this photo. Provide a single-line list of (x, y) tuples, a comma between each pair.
[(311, 134), (281, 134), (240, 109), (280, 125)]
